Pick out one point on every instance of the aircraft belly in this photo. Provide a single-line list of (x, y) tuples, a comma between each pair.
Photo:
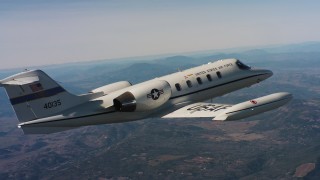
[(94, 119)]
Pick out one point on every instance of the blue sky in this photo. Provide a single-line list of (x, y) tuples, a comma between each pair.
[(38, 32)]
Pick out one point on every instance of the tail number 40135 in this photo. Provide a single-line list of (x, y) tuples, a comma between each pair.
[(52, 104)]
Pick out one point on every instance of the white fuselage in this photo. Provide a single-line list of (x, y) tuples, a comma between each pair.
[(205, 82)]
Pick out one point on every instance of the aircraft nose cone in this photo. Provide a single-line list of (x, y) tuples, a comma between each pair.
[(287, 95), (268, 73), (263, 74)]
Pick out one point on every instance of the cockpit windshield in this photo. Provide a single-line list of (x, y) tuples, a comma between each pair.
[(242, 66)]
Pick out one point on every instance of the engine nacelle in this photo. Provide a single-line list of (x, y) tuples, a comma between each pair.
[(144, 97), (107, 89)]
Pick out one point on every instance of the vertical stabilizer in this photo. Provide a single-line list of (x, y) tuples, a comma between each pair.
[(33, 95)]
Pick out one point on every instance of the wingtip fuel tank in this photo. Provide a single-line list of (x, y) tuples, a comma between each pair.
[(254, 106)]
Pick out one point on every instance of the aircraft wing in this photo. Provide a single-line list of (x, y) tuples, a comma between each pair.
[(200, 109), (224, 112)]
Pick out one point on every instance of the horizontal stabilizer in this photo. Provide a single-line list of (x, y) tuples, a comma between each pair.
[(20, 81)]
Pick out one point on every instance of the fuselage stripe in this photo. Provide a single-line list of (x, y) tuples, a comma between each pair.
[(38, 95)]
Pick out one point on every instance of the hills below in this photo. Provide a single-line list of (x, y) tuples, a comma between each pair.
[(269, 146)]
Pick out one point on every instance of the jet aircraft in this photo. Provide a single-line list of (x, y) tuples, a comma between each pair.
[(42, 106)]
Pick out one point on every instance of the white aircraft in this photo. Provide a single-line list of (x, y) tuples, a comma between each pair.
[(43, 106)]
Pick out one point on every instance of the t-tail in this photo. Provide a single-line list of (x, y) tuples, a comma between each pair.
[(34, 95)]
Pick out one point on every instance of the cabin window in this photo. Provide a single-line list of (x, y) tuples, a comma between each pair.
[(209, 77), (199, 80), (178, 87), (219, 74), (189, 83)]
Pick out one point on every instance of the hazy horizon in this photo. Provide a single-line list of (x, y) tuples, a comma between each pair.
[(37, 33)]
